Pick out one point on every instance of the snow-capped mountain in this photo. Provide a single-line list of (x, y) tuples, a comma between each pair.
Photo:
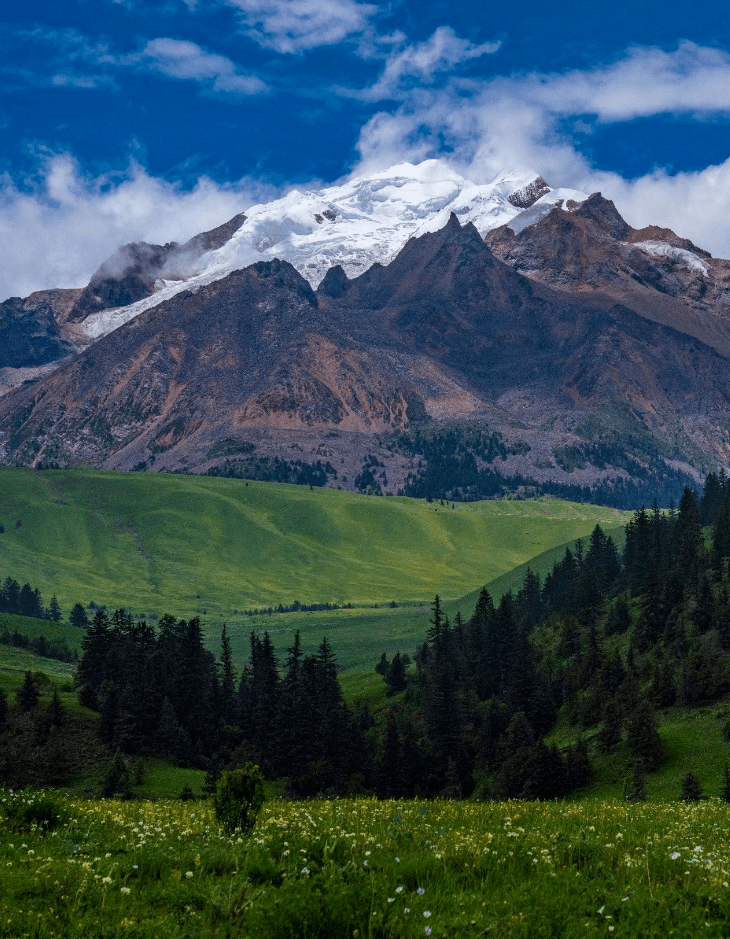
[(537, 321), (355, 225)]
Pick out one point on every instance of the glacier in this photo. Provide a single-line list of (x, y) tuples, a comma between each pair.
[(356, 224)]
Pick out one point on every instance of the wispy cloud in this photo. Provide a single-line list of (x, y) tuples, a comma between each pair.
[(418, 64), (185, 60), (57, 228), (291, 26), (73, 59)]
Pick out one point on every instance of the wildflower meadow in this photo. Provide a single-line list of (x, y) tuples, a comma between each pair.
[(363, 868)]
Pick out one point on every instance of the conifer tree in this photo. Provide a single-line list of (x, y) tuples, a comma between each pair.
[(55, 715), (77, 617), (691, 789), (636, 788), (609, 737), (642, 737), (227, 680), (721, 538), (396, 678), (28, 694), (95, 660), (705, 607)]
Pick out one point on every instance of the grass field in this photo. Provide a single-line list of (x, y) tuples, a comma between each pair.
[(194, 545), (154, 542), (370, 870)]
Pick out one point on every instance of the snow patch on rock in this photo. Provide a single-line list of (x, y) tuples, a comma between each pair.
[(663, 249)]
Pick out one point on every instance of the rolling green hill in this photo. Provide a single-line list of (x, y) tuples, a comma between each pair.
[(213, 547)]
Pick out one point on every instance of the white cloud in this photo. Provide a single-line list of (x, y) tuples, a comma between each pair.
[(486, 126), (74, 59), (57, 232), (178, 58), (420, 63), (290, 26)]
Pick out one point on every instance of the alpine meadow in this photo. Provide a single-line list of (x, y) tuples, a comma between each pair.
[(364, 470)]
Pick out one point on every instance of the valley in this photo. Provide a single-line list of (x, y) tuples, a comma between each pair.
[(214, 548)]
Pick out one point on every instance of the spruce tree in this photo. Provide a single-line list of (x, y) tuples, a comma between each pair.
[(642, 737), (227, 680), (691, 789), (28, 694), (636, 788), (77, 617)]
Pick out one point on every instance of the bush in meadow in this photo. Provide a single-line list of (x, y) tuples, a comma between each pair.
[(118, 779), (691, 789), (239, 795), (31, 811)]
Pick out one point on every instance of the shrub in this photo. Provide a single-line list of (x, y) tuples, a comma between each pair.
[(29, 810), (239, 794), (691, 789), (118, 779)]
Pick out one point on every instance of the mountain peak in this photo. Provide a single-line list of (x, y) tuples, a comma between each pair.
[(356, 224)]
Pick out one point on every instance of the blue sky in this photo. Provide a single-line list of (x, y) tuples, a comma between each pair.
[(154, 119)]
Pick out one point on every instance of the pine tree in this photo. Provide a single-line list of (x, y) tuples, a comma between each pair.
[(609, 737), (118, 780), (619, 618), (705, 607), (642, 737), (721, 538), (397, 678), (77, 617), (55, 715), (95, 665), (636, 789), (54, 610), (691, 789), (167, 738), (383, 665), (28, 694), (227, 681)]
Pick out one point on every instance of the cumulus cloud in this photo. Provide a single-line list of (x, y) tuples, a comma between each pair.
[(524, 120), (181, 59), (58, 229), (420, 63), (291, 26)]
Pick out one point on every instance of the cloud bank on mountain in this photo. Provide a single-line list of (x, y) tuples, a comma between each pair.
[(56, 230)]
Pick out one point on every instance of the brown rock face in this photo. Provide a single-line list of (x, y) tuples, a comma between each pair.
[(29, 331), (446, 332), (593, 250)]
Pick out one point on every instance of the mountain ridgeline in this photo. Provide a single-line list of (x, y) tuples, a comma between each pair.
[(592, 355)]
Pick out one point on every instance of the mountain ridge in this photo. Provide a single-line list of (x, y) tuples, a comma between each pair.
[(594, 353)]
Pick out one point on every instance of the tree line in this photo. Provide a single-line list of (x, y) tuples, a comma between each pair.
[(26, 601), (164, 692), (605, 639)]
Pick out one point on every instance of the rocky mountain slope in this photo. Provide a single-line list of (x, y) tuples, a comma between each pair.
[(469, 339)]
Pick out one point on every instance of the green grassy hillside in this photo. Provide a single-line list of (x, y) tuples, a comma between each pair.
[(200, 545)]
